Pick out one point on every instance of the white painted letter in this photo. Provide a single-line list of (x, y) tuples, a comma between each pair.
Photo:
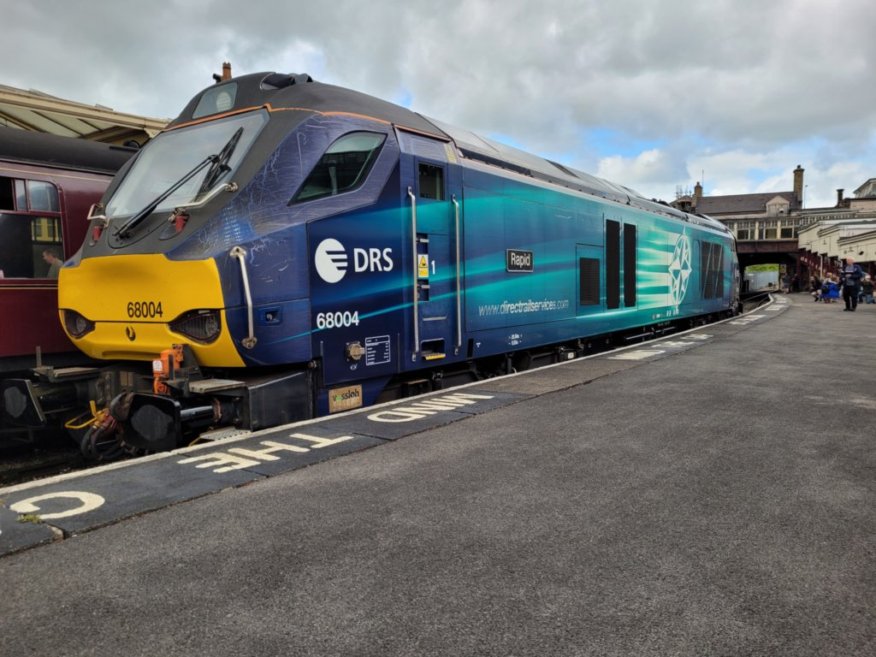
[(87, 502)]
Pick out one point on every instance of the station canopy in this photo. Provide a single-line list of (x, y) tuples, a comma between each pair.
[(39, 112)]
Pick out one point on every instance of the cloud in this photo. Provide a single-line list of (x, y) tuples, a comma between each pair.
[(654, 170), (730, 86)]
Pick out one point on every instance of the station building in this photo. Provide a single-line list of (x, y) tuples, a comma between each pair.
[(775, 228), (849, 229)]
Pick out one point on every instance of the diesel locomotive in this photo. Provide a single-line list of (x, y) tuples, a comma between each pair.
[(287, 249)]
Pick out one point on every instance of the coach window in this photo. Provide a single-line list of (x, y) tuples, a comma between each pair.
[(20, 195), (343, 167), (7, 193), (42, 196), (30, 228)]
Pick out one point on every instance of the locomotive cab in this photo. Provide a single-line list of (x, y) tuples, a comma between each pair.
[(205, 242)]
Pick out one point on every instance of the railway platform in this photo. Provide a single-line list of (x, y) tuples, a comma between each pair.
[(710, 493)]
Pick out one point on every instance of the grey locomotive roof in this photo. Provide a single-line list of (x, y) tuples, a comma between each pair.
[(299, 91), (491, 151), (481, 148)]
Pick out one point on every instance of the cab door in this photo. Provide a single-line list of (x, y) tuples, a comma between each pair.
[(432, 198)]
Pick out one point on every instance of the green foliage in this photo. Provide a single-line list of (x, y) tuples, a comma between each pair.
[(30, 517)]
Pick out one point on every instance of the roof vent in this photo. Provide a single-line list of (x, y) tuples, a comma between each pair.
[(282, 80)]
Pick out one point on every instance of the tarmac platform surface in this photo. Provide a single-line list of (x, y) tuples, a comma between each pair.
[(712, 493)]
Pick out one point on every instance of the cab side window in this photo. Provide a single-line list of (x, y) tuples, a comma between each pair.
[(343, 167)]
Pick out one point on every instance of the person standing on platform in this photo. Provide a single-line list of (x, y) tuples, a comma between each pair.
[(815, 287), (850, 276), (867, 290), (829, 289)]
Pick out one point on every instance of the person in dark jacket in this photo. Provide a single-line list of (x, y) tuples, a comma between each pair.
[(850, 277), (867, 290), (815, 288)]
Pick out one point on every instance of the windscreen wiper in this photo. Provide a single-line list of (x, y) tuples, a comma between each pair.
[(136, 219), (219, 167)]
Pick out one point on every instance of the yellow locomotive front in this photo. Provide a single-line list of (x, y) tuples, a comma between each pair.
[(134, 306), (129, 294)]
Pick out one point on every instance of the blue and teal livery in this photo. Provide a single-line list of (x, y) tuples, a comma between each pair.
[(307, 249)]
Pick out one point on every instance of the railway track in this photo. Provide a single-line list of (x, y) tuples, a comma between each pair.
[(36, 458)]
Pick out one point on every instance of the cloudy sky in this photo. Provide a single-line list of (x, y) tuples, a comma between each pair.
[(652, 94)]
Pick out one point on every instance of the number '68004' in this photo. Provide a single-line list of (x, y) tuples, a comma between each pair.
[(337, 320), (144, 309)]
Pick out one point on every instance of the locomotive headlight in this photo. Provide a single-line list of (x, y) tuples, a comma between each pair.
[(200, 325), (76, 324)]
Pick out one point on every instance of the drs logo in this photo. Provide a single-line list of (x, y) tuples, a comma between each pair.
[(332, 260)]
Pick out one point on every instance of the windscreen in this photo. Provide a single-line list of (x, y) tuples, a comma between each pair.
[(167, 159)]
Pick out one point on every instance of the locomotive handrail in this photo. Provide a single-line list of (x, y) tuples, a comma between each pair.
[(97, 207), (458, 280), (213, 193), (416, 276), (239, 253)]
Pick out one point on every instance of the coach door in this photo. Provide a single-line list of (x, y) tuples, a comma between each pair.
[(434, 203)]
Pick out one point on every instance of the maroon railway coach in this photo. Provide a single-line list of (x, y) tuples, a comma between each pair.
[(47, 185)]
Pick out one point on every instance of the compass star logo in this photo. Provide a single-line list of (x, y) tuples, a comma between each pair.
[(679, 270)]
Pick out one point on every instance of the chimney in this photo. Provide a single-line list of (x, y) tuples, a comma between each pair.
[(698, 194), (798, 183), (839, 198)]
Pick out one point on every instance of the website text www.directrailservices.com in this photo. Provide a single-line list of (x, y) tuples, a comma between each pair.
[(518, 307)]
